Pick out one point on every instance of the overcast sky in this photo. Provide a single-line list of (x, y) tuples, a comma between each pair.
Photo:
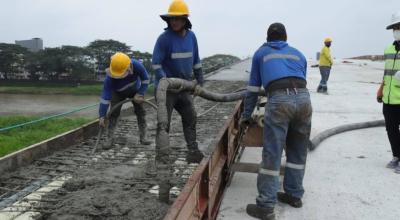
[(222, 26)]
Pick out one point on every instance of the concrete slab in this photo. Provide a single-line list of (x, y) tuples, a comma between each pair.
[(346, 176)]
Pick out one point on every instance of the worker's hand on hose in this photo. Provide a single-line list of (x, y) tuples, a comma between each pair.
[(102, 122), (245, 122), (379, 95), (139, 99)]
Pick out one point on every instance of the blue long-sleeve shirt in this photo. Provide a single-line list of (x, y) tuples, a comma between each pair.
[(176, 56), (136, 78), (272, 61)]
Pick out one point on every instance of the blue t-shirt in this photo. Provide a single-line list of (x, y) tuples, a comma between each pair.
[(176, 56)]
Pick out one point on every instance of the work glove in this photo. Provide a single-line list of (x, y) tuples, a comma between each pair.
[(245, 122), (139, 99), (379, 99), (102, 122)]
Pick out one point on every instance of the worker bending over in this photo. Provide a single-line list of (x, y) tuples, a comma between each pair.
[(125, 78)]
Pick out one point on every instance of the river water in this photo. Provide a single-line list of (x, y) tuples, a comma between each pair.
[(44, 105)]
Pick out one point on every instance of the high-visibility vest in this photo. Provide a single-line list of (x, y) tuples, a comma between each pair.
[(391, 89)]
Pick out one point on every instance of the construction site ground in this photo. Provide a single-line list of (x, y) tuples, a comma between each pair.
[(120, 183), (345, 176)]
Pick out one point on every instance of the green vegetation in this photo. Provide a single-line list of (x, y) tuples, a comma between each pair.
[(69, 86), (52, 90), (19, 138)]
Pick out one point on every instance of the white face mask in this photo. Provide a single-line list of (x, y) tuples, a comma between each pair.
[(396, 35)]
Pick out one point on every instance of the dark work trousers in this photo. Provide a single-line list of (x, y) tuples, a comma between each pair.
[(182, 102), (392, 120), (138, 109), (323, 84)]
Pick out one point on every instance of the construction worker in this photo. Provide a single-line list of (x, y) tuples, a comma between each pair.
[(125, 78), (325, 66), (281, 70), (389, 92), (176, 55)]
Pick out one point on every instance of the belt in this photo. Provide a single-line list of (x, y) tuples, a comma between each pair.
[(286, 83)]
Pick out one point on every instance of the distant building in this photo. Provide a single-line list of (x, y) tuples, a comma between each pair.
[(33, 45)]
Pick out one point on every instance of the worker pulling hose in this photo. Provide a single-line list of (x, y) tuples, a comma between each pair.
[(114, 108)]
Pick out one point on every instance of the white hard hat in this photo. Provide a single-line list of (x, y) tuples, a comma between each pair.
[(395, 20)]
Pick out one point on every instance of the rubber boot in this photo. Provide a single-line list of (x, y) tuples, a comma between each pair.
[(143, 135), (260, 212), (319, 89), (108, 143), (194, 155), (290, 200)]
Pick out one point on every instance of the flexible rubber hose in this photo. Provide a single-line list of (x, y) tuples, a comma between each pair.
[(340, 129), (129, 100)]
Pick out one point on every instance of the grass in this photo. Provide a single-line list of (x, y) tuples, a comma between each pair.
[(59, 90), (51, 90), (19, 138)]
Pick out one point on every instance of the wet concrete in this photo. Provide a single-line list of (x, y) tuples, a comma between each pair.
[(120, 183)]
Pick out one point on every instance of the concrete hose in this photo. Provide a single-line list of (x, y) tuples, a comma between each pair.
[(340, 129), (101, 129), (162, 137)]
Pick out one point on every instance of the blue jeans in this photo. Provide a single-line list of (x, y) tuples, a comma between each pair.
[(324, 71), (287, 121)]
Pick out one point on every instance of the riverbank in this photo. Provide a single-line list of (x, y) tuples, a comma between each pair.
[(51, 89)]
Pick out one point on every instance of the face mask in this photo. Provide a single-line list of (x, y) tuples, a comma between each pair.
[(396, 35)]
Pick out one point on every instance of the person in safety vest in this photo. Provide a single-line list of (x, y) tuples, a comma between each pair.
[(125, 78), (281, 70), (389, 92), (176, 55), (325, 66)]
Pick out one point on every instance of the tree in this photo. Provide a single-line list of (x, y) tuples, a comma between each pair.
[(11, 59), (102, 50), (33, 65), (78, 62)]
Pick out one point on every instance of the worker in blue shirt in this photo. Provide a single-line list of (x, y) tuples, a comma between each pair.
[(281, 70), (176, 55), (125, 78)]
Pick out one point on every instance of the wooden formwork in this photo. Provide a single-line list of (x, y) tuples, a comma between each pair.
[(202, 195)]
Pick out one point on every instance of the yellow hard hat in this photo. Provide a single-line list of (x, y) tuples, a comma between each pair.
[(328, 39), (177, 8), (119, 65)]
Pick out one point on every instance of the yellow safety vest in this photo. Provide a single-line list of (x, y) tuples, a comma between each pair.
[(391, 89)]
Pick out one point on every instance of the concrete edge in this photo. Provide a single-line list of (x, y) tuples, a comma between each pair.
[(224, 68), (42, 149)]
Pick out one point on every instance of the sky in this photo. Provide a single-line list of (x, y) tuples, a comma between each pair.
[(357, 27)]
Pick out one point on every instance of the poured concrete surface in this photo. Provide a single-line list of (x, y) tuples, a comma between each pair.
[(345, 176)]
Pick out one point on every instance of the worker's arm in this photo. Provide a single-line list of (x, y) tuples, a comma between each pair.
[(379, 93), (197, 68), (105, 98), (143, 75), (253, 89), (159, 54)]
